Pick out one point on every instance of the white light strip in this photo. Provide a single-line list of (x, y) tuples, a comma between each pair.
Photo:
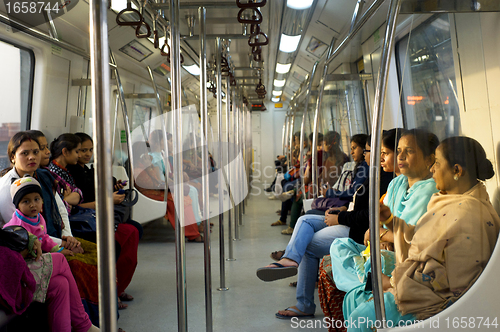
[(277, 93), (279, 83), (283, 69), (275, 99), (289, 44), (299, 4)]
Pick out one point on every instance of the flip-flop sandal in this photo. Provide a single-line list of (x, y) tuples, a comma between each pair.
[(293, 284), (276, 255), (299, 314), (276, 273)]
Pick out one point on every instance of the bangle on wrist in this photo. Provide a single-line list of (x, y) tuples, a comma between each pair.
[(393, 283), (385, 222), (383, 233)]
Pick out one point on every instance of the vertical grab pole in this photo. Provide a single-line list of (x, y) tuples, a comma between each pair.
[(180, 245), (218, 47), (242, 167), (236, 114), (291, 133), (202, 13), (303, 125), (378, 117), (99, 60), (314, 162), (163, 125), (230, 211), (126, 122)]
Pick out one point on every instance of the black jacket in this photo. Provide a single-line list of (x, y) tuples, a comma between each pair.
[(358, 218)]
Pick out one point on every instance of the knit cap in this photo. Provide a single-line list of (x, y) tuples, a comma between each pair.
[(23, 186)]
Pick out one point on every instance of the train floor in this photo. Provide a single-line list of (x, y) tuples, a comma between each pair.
[(249, 305)]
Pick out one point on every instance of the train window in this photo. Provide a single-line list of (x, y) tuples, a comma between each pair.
[(427, 74), (15, 93)]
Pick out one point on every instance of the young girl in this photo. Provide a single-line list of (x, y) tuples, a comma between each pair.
[(26, 195)]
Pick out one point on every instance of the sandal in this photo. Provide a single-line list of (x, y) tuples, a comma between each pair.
[(299, 314), (276, 255), (278, 223), (275, 273), (288, 231), (121, 305), (125, 297)]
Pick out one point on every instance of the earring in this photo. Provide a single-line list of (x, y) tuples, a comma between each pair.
[(455, 177)]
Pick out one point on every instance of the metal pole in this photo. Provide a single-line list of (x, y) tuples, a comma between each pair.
[(238, 180), (302, 126), (378, 117), (314, 162), (367, 102), (242, 168), (99, 60), (230, 212), (115, 123), (175, 79), (125, 120), (164, 127), (218, 47), (357, 10), (202, 14), (292, 124)]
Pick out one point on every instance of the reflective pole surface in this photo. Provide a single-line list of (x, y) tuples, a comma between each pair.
[(314, 161), (239, 187), (302, 126), (175, 78), (218, 47), (205, 161), (99, 62), (378, 117), (230, 212)]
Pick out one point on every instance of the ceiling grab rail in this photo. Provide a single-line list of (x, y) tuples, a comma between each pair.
[(366, 16), (99, 66), (314, 147), (128, 9), (303, 126), (126, 124), (205, 162), (180, 245), (374, 188)]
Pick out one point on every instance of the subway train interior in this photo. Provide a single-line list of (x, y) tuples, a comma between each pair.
[(235, 129)]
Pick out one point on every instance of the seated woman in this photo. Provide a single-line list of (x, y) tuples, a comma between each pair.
[(127, 235), (438, 263), (329, 295), (407, 197), (150, 181), (50, 281)]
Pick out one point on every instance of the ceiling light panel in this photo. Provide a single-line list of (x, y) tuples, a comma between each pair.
[(279, 83), (283, 68), (299, 4), (289, 44)]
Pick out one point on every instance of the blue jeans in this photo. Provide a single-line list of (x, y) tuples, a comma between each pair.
[(311, 240)]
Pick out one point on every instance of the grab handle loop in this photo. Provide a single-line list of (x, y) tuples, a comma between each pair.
[(256, 17), (138, 30), (129, 9), (254, 29), (251, 4), (256, 41)]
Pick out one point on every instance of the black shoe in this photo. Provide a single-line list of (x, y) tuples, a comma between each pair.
[(268, 190)]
